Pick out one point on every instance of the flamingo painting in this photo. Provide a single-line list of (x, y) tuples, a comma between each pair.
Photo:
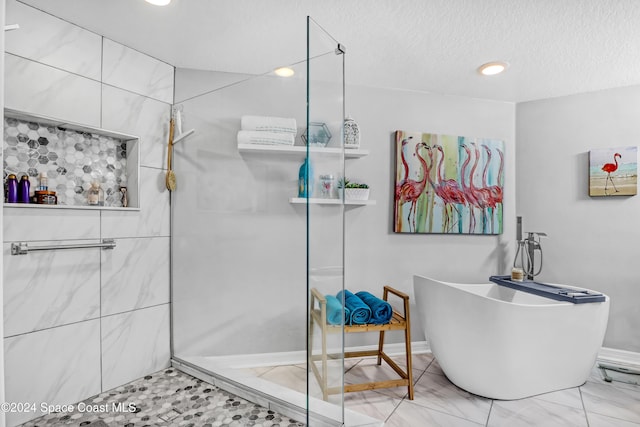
[(495, 190), (444, 184), (405, 164), (449, 191), (411, 190), (608, 168), (613, 172)]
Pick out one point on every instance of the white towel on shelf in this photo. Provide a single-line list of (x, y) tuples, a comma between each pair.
[(269, 124), (266, 138)]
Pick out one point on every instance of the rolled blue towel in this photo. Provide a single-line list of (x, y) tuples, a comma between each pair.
[(360, 313), (381, 311), (335, 313)]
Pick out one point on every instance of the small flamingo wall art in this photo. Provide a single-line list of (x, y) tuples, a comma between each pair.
[(448, 184), (613, 171)]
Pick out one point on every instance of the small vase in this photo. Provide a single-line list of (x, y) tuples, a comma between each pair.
[(351, 133)]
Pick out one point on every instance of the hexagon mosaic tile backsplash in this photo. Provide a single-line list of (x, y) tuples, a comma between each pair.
[(71, 160)]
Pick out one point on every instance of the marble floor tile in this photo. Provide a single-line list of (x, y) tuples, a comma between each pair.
[(410, 414), (437, 392), (373, 362), (256, 372), (434, 368), (612, 400), (295, 377), (339, 363), (597, 420), (419, 362), (375, 405), (534, 412), (292, 377), (438, 402), (568, 397), (368, 371)]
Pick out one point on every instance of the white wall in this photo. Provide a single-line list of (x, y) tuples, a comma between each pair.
[(238, 245), (77, 323), (592, 241), (230, 300), (375, 256)]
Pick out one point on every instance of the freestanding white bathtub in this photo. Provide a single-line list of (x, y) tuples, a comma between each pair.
[(500, 343)]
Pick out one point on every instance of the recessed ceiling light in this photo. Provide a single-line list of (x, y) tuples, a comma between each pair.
[(159, 2), (284, 72), (492, 68)]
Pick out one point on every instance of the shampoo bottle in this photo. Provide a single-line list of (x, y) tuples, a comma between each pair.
[(305, 179), (12, 189), (23, 189), (44, 182)]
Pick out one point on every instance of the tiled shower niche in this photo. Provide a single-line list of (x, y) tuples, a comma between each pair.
[(72, 157)]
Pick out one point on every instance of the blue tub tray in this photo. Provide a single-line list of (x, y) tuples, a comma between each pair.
[(576, 296)]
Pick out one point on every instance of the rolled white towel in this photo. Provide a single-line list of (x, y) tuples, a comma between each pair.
[(269, 124), (266, 138)]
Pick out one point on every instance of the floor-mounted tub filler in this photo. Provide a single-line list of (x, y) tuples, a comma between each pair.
[(503, 343)]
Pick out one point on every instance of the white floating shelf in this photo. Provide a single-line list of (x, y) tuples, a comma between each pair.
[(71, 207), (319, 201), (301, 150)]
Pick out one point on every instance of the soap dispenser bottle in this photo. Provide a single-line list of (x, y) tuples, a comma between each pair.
[(95, 196), (305, 179)]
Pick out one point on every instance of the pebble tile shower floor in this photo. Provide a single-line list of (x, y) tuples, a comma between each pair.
[(167, 398)]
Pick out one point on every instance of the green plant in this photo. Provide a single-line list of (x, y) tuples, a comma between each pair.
[(356, 185), (345, 183)]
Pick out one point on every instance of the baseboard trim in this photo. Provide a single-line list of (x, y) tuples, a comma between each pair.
[(619, 357), (606, 354), (239, 361)]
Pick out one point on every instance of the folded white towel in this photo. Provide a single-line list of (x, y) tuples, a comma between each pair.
[(267, 138), (269, 124)]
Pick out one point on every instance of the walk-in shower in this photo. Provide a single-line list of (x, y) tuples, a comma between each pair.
[(246, 249)]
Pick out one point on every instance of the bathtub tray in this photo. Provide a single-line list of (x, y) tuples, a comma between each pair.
[(576, 296)]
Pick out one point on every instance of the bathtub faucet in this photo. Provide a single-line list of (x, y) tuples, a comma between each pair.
[(532, 243), (527, 248)]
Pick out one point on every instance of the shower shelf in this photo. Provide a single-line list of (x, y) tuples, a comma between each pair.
[(72, 155), (300, 150), (70, 207)]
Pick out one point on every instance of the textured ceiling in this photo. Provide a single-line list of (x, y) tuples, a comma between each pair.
[(554, 47)]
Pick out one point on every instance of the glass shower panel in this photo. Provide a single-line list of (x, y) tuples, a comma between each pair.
[(325, 219), (246, 247), (238, 244)]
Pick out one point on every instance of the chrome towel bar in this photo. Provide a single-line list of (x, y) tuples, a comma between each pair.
[(22, 248)]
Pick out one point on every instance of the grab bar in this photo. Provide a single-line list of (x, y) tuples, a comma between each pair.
[(22, 248)]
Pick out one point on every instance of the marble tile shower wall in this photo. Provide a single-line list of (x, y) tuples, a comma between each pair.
[(80, 322)]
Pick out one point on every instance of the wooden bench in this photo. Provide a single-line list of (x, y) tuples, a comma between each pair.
[(399, 322)]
